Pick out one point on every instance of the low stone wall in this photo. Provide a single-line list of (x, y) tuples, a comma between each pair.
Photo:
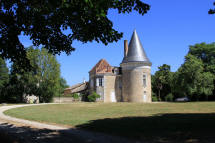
[(63, 99)]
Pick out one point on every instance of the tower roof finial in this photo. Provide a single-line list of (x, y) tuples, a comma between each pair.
[(136, 52)]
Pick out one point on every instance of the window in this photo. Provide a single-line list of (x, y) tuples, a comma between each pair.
[(100, 81), (144, 80), (144, 96)]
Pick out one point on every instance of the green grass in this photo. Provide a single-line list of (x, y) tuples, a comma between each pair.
[(159, 122), (8, 104)]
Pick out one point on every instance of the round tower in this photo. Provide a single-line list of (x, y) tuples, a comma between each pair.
[(136, 72)]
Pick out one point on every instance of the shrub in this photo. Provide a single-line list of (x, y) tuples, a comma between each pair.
[(169, 97), (154, 98), (75, 96), (92, 97)]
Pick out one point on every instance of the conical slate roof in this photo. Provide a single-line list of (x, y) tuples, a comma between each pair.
[(136, 52)]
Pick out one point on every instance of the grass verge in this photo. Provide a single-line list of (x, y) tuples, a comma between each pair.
[(161, 122)]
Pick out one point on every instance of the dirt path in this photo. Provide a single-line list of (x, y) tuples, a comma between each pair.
[(14, 130)]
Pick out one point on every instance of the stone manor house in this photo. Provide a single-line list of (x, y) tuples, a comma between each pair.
[(131, 82)]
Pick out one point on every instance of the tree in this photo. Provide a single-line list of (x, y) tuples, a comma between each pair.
[(4, 78), (190, 79), (42, 80), (46, 73), (207, 86), (161, 81), (212, 11), (62, 85), (44, 21), (205, 52)]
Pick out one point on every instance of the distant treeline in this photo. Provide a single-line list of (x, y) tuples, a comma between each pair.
[(195, 78)]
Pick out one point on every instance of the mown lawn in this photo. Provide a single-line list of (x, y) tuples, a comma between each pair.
[(157, 122)]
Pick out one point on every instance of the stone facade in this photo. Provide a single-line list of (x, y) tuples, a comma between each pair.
[(112, 89), (131, 82), (136, 81)]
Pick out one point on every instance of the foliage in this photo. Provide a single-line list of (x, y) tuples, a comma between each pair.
[(154, 98), (62, 85), (92, 97), (4, 79), (207, 85), (75, 96), (212, 11), (205, 52), (4, 75), (45, 22), (161, 81), (169, 97), (189, 76), (42, 80), (194, 79)]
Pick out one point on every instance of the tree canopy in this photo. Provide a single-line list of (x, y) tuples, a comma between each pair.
[(162, 81), (205, 52), (45, 20), (42, 80), (4, 75), (194, 79), (62, 85)]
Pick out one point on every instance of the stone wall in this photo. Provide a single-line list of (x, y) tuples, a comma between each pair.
[(112, 90), (63, 100), (109, 91), (118, 88), (132, 83)]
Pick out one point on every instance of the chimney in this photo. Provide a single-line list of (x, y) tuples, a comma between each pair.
[(125, 48)]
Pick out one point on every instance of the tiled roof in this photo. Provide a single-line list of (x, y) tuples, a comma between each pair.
[(78, 87), (101, 67)]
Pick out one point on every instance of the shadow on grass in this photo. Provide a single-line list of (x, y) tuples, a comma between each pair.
[(24, 134), (164, 128), (195, 128)]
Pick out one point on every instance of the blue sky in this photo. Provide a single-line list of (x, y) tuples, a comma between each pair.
[(166, 32)]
